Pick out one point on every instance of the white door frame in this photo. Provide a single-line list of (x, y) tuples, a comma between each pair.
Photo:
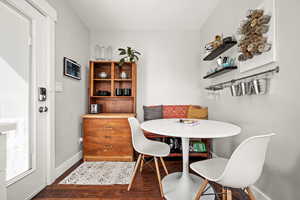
[(51, 17)]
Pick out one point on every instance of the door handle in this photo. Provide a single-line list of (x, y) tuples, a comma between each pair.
[(43, 109)]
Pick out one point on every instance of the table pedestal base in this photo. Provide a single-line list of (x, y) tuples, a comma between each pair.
[(179, 186)]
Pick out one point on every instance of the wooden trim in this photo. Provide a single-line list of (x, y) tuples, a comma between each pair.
[(134, 84), (112, 85), (91, 79), (108, 61), (108, 115), (134, 172), (108, 158), (201, 189)]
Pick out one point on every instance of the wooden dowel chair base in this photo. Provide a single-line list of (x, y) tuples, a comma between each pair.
[(134, 171), (250, 194), (139, 166), (201, 189)]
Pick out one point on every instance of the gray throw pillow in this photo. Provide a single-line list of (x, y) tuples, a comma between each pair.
[(153, 112)]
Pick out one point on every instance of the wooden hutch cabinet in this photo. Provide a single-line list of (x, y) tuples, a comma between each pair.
[(107, 135)]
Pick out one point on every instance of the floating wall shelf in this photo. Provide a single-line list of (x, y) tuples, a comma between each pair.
[(221, 49), (220, 72)]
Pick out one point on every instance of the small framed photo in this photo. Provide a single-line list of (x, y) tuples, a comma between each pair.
[(72, 69)]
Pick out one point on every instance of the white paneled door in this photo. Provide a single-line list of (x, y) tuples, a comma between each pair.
[(22, 73)]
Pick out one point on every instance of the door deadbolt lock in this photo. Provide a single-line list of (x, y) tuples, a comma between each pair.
[(42, 94)]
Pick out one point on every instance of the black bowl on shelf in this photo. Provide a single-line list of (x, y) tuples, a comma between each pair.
[(103, 93)]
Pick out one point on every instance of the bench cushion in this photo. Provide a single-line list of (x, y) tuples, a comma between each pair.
[(195, 112), (153, 112), (175, 111)]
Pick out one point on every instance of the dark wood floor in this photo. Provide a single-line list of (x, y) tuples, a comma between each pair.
[(145, 187)]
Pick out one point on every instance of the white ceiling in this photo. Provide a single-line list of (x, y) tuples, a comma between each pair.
[(129, 15)]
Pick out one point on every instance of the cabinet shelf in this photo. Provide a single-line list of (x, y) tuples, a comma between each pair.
[(112, 97), (122, 79), (113, 81), (220, 72), (221, 49), (102, 79)]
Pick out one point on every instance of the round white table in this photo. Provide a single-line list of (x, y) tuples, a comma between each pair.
[(183, 185)]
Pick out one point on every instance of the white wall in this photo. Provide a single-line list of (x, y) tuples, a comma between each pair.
[(168, 72), (277, 111), (72, 41)]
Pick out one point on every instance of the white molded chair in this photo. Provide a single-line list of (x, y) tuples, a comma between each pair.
[(147, 147), (241, 171)]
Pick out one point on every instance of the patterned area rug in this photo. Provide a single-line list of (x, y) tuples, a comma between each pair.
[(101, 173)]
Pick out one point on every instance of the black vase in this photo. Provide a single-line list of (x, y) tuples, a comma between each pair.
[(119, 92), (127, 92)]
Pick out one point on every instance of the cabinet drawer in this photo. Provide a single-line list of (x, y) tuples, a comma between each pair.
[(106, 149), (106, 127), (106, 123), (107, 139)]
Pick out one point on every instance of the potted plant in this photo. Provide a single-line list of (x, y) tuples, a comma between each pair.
[(130, 55)]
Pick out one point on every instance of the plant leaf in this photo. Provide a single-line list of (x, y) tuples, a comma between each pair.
[(122, 61), (137, 52), (122, 51), (129, 51)]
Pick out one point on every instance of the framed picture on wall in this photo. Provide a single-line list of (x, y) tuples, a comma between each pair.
[(72, 69), (257, 25)]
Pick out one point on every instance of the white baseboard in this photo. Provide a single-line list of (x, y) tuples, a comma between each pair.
[(67, 164), (259, 194), (36, 192)]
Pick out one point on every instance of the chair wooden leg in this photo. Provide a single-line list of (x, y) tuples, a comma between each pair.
[(134, 172), (142, 163), (158, 177), (229, 194), (223, 193), (250, 194), (164, 165), (201, 189)]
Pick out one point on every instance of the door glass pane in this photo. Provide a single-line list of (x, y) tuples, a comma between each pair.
[(15, 87)]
